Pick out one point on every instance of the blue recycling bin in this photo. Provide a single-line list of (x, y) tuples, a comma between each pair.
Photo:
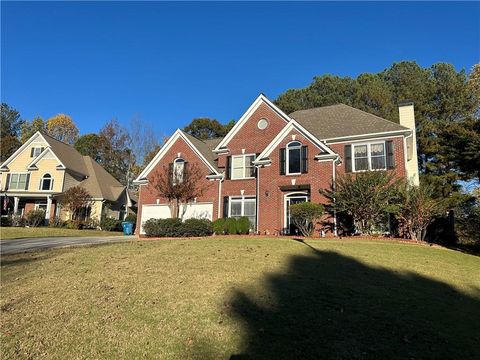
[(127, 228)]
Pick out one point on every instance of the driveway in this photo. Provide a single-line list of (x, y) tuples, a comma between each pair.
[(31, 244)]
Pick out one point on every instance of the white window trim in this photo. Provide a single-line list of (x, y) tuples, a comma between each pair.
[(10, 179), (38, 203), (244, 156), (369, 155), (41, 182), (287, 158), (242, 201)]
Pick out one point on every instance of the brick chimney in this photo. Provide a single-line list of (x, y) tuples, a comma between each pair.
[(406, 114)]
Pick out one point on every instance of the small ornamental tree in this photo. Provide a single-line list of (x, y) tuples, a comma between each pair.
[(178, 188), (416, 209), (367, 197), (74, 200), (305, 215)]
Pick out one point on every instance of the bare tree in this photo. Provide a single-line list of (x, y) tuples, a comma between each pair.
[(179, 187)]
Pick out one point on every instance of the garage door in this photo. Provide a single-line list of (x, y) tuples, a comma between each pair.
[(154, 212), (197, 211)]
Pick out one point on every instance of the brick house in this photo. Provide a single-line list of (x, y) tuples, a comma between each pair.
[(270, 160)]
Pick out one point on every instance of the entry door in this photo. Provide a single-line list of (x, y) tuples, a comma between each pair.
[(290, 228)]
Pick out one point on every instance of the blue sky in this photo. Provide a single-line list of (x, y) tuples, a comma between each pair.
[(170, 62)]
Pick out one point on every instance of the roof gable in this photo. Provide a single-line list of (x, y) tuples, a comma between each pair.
[(37, 137), (199, 147), (261, 99), (47, 153)]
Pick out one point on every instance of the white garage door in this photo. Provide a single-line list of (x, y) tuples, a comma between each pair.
[(198, 211), (154, 212)]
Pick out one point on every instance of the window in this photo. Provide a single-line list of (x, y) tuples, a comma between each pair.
[(36, 151), (46, 182), (18, 181), (262, 124), (41, 205), (178, 167), (369, 157), (294, 153), (242, 167), (243, 206)]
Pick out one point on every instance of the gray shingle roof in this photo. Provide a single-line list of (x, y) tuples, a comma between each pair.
[(336, 121), (205, 147), (67, 154)]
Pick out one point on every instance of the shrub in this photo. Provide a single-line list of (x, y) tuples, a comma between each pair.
[(18, 221), (196, 227), (231, 226), (243, 226), (91, 224), (35, 218), (6, 221), (219, 226), (305, 215), (109, 224), (163, 227), (56, 222)]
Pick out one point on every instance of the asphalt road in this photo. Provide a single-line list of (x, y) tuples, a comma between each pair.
[(32, 244)]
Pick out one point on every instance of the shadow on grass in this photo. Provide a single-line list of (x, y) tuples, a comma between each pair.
[(328, 306)]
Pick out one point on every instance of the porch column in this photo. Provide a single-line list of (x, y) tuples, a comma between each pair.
[(49, 206), (16, 199)]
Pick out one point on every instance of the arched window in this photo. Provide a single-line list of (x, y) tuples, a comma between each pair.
[(46, 182), (294, 155), (178, 170)]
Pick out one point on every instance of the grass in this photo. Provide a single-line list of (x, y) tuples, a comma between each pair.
[(241, 298), (8, 233)]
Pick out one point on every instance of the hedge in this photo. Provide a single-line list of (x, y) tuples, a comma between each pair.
[(177, 228), (231, 226)]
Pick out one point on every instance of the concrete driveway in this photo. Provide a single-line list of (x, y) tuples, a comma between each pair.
[(31, 244)]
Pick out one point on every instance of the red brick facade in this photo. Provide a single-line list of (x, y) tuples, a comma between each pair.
[(273, 187)]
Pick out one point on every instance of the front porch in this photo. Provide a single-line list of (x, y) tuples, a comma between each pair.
[(15, 204)]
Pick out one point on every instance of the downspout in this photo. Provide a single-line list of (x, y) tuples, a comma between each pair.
[(257, 198), (334, 186), (220, 196)]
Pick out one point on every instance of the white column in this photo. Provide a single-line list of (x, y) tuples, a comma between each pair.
[(49, 206), (16, 199)]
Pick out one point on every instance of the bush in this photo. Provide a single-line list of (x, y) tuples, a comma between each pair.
[(109, 224), (35, 218), (219, 226), (56, 222), (6, 221), (18, 221), (163, 227), (196, 227), (243, 226), (231, 226), (305, 215), (90, 223)]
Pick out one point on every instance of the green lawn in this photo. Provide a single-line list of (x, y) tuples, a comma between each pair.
[(8, 233), (248, 297)]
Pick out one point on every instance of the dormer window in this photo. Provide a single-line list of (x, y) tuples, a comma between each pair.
[(36, 150), (178, 170), (46, 182)]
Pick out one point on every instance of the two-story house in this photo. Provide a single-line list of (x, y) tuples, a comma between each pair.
[(270, 160), (43, 168)]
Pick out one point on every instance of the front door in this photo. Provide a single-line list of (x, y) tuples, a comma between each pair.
[(290, 227)]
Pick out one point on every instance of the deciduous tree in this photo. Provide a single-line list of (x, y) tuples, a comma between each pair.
[(206, 128), (30, 128), (62, 128), (74, 200)]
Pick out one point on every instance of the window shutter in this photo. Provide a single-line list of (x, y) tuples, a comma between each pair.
[(7, 182), (390, 155), (31, 152), (227, 168), (225, 206), (282, 161), (256, 168), (304, 163), (170, 172), (348, 158), (26, 182), (185, 167), (41, 149)]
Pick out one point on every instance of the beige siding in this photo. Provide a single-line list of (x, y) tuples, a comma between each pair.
[(70, 181), (96, 212)]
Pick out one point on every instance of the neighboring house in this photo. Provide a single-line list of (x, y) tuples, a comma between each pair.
[(270, 160), (43, 168)]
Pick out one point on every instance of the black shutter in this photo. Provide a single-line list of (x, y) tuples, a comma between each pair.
[(282, 161), (8, 182), (41, 149), (390, 155), (304, 163), (225, 206), (256, 168), (348, 158), (31, 152), (26, 182), (227, 168), (170, 172), (185, 164)]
